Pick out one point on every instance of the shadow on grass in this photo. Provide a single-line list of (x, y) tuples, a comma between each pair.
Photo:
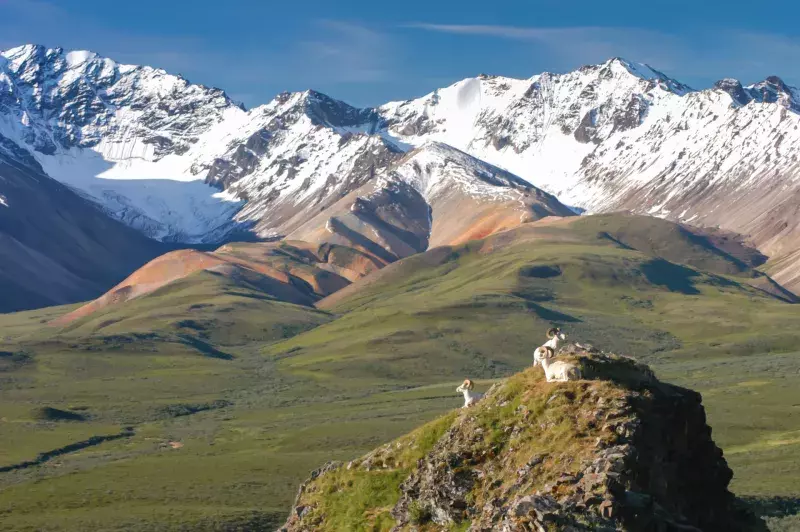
[(603, 235), (541, 271), (71, 448), (187, 409), (673, 277), (550, 315), (48, 413), (205, 348)]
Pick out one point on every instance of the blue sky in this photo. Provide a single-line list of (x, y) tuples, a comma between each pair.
[(369, 52)]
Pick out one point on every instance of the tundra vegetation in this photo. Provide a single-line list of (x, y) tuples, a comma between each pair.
[(260, 392)]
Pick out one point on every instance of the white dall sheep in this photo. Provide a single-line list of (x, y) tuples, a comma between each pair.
[(470, 397), (555, 371), (555, 337)]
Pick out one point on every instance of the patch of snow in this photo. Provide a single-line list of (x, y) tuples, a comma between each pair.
[(79, 57), (157, 198)]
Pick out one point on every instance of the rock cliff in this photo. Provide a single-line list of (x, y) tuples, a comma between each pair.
[(618, 450)]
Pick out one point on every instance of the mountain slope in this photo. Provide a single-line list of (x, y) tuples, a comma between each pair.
[(292, 272), (196, 167), (418, 202), (434, 195), (57, 247), (184, 163)]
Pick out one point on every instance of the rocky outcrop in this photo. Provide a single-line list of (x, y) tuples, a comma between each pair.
[(616, 451)]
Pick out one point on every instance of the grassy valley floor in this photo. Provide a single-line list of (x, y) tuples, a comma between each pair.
[(227, 398)]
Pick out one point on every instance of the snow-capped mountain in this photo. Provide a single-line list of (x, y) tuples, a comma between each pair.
[(116, 133), (433, 195), (183, 162), (624, 136), (620, 136), (540, 128)]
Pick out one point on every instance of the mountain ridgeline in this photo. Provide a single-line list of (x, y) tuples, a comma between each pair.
[(185, 164)]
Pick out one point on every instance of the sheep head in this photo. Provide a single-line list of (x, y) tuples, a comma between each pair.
[(542, 353), (555, 331), (466, 385)]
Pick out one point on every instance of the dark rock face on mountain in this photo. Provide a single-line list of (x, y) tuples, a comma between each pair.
[(618, 450)]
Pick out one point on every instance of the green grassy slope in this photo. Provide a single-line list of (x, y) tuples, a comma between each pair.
[(670, 241), (298, 386), (205, 305), (479, 314)]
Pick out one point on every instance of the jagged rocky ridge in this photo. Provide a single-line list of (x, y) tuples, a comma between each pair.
[(617, 451), (183, 163)]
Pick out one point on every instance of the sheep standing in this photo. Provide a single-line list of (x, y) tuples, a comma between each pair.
[(470, 397), (555, 337)]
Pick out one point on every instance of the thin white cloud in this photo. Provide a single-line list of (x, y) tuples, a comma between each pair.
[(509, 32), (346, 52), (328, 53), (706, 56), (579, 41)]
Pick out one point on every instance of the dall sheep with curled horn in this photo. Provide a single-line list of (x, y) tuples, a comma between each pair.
[(470, 397), (555, 337), (556, 371), (560, 370)]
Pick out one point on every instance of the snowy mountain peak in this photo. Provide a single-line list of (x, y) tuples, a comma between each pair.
[(774, 90), (646, 72), (771, 90), (435, 167), (101, 127), (19, 55), (734, 89), (773, 83), (78, 99), (324, 110)]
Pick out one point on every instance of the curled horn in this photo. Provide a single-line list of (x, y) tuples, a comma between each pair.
[(549, 352), (551, 332), (469, 384)]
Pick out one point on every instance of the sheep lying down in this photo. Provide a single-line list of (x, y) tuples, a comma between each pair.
[(555, 370)]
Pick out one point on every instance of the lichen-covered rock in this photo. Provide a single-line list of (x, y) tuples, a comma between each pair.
[(616, 451)]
